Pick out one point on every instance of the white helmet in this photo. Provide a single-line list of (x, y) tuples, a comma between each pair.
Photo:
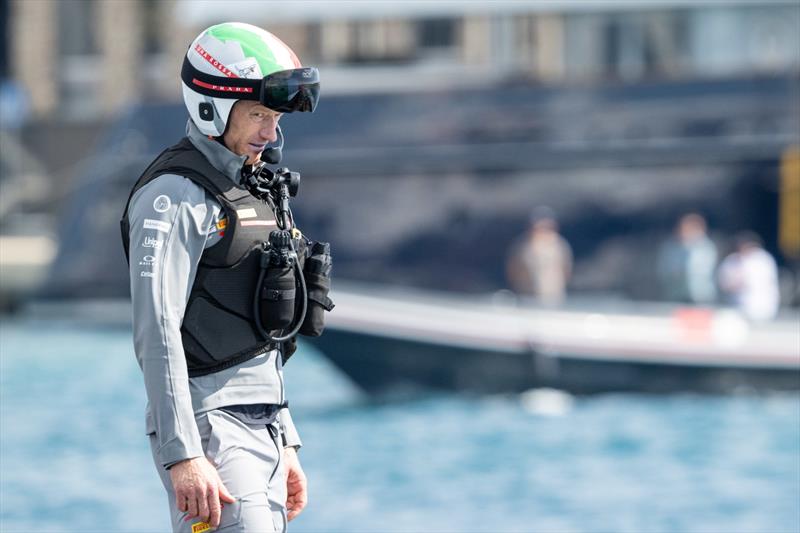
[(235, 61)]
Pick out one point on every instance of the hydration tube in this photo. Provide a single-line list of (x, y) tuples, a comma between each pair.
[(285, 219)]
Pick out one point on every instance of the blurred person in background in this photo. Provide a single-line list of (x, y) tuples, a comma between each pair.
[(220, 431), (749, 278), (540, 264), (687, 261)]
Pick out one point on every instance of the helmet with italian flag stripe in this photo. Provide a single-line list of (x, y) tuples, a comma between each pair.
[(233, 61)]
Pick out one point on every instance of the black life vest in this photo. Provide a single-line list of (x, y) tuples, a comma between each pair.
[(218, 329)]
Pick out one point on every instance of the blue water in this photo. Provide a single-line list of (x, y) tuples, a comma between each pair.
[(73, 456)]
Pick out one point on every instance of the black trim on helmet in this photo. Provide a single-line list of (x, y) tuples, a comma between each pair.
[(284, 91)]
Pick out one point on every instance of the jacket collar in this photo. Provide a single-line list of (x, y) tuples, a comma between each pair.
[(217, 154)]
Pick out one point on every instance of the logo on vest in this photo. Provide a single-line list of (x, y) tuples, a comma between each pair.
[(258, 223), (246, 213), (146, 274), (219, 227), (150, 242), (147, 261), (162, 203)]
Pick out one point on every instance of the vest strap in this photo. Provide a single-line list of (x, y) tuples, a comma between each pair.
[(197, 372)]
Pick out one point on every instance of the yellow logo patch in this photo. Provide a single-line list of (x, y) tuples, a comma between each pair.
[(200, 527)]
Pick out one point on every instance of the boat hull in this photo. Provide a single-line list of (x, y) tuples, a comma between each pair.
[(389, 366), (388, 340)]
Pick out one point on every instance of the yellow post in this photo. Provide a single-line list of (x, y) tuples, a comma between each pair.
[(789, 221)]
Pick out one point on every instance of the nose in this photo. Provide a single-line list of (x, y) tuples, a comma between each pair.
[(268, 130)]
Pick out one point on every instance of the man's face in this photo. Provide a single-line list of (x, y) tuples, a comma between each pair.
[(250, 127)]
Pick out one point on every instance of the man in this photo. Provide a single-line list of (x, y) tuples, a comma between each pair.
[(540, 264), (221, 434), (749, 278), (686, 263)]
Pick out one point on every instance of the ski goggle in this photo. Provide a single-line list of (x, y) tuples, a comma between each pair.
[(285, 91), (292, 90)]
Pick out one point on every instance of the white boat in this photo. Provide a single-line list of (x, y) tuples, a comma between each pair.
[(388, 339)]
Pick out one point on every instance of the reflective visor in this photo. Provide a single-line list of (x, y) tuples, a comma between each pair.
[(292, 90), (284, 91)]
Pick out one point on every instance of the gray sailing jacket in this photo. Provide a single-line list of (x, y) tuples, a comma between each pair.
[(172, 220)]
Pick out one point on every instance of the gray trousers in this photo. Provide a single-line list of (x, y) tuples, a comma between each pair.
[(249, 459)]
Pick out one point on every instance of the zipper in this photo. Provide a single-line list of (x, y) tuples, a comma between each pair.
[(279, 370)]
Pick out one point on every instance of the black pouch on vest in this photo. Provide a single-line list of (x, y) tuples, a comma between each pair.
[(276, 297), (317, 272)]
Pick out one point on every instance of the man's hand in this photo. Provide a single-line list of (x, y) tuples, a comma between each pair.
[(199, 489), (296, 486)]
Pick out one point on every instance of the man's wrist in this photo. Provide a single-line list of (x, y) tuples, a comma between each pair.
[(167, 467)]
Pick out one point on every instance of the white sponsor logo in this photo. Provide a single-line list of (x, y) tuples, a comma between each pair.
[(150, 242), (246, 213), (246, 71), (258, 223), (247, 68), (145, 274), (162, 203), (147, 260), (158, 225)]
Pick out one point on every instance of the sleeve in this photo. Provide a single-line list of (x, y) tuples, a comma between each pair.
[(168, 220), (288, 431)]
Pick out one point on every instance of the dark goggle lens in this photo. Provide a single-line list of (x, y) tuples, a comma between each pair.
[(291, 90)]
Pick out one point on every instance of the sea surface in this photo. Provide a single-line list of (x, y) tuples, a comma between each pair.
[(73, 455)]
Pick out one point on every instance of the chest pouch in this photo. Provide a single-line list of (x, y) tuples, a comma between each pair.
[(317, 272), (277, 290)]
